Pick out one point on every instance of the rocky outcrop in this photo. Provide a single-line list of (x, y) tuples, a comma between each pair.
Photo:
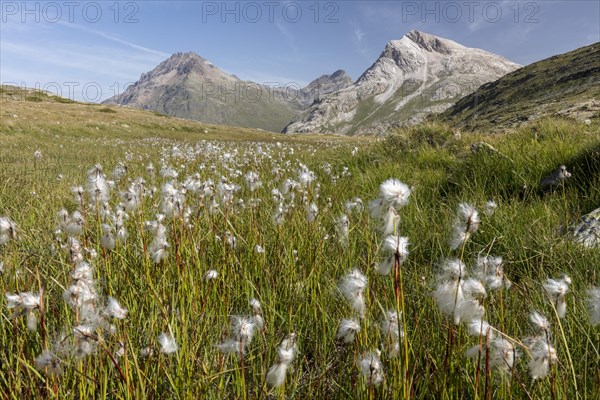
[(587, 231)]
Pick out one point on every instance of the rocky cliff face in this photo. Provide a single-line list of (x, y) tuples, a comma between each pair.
[(188, 86), (413, 77), (324, 85)]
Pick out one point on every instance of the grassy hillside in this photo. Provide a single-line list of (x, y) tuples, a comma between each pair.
[(297, 277), (563, 85), (242, 105)]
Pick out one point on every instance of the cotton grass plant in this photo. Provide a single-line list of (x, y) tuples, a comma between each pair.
[(187, 268)]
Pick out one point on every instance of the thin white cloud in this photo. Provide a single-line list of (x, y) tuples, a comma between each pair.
[(358, 37), (96, 57), (114, 38), (101, 60)]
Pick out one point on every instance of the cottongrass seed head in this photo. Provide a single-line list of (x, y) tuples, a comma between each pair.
[(465, 224), (167, 343), (371, 368), (394, 193), (542, 356), (8, 230), (286, 355), (593, 305), (348, 330), (556, 289), (352, 287), (114, 309), (490, 270), (47, 361)]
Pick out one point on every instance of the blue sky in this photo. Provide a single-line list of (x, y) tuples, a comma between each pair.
[(90, 50)]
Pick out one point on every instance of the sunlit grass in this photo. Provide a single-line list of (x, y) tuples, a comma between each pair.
[(297, 278)]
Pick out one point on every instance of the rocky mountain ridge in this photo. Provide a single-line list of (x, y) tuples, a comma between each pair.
[(189, 86), (416, 76)]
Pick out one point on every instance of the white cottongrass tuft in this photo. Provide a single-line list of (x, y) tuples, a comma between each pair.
[(392, 331), (8, 230), (452, 269), (253, 181), (396, 245), (480, 327), (394, 193), (242, 332), (490, 208), (311, 212), (342, 227), (114, 309), (539, 321), (456, 296), (371, 368), (391, 221), (256, 309), (593, 305), (73, 225), (489, 269), (501, 354), (393, 246), (159, 246), (210, 275), (390, 326), (24, 304), (465, 224), (168, 345), (108, 240), (542, 354), (255, 305), (556, 289), (448, 295), (352, 287), (354, 204), (48, 362), (286, 355), (276, 374), (98, 187), (347, 330)]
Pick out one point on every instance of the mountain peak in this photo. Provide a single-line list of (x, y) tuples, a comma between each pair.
[(185, 62), (431, 43), (190, 55), (413, 77)]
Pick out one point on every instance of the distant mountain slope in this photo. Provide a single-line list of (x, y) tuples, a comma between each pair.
[(413, 77), (188, 86), (31, 112), (566, 84)]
